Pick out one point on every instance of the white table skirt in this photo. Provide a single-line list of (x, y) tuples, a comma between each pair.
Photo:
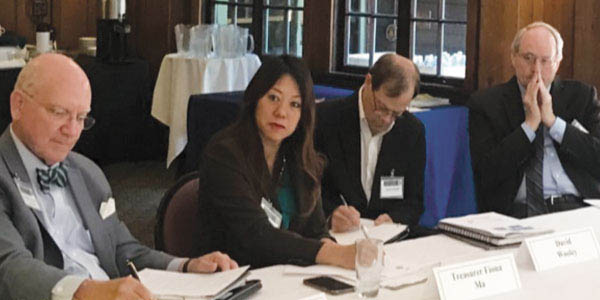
[(179, 77), (578, 281)]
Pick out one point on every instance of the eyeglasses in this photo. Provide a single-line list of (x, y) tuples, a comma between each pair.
[(380, 108), (531, 59), (62, 115)]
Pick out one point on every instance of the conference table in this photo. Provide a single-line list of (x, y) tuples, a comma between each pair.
[(448, 186), (576, 281)]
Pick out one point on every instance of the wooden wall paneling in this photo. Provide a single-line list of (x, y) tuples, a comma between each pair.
[(24, 25), (179, 12), (472, 51), (8, 14), (561, 15), (586, 40), (57, 6), (318, 34), (92, 15), (71, 22), (527, 11), (153, 23), (498, 25), (195, 7)]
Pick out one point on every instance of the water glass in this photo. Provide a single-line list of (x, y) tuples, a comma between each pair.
[(369, 264), (202, 40), (182, 38)]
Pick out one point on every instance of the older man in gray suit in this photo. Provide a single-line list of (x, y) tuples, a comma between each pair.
[(60, 237)]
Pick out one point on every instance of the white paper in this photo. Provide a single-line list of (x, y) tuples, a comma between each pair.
[(383, 232), (174, 284), (478, 278), (563, 248), (392, 276), (319, 296), (593, 202)]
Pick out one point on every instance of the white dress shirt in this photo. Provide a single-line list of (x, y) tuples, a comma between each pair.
[(369, 148)]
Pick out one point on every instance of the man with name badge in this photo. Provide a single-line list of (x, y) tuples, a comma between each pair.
[(60, 237), (535, 140), (375, 149)]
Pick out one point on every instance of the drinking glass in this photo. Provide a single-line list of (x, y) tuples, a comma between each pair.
[(369, 264)]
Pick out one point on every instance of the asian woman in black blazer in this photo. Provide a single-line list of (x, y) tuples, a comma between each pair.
[(267, 158)]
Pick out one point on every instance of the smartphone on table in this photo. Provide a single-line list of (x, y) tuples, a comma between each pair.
[(329, 285)]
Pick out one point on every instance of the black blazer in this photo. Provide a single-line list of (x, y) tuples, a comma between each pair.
[(232, 218), (402, 149), (500, 149)]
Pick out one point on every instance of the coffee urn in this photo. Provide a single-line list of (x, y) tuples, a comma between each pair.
[(113, 29)]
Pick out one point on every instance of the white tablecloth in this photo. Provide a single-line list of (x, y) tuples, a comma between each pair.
[(179, 77), (578, 281)]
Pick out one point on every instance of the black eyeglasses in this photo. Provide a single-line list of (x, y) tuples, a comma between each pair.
[(381, 109)]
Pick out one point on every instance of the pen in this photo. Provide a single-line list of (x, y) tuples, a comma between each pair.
[(133, 270), (343, 200), (364, 231)]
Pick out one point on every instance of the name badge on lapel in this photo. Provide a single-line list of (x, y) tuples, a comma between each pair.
[(27, 194), (272, 213), (392, 186)]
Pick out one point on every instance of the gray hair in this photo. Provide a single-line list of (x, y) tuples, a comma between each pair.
[(516, 44)]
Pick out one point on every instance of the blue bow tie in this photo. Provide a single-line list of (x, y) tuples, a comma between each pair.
[(56, 175)]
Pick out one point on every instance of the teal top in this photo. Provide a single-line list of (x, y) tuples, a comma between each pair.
[(286, 196)]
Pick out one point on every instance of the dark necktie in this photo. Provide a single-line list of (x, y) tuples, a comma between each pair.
[(534, 178), (56, 175)]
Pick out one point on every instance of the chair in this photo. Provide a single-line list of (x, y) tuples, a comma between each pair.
[(177, 230)]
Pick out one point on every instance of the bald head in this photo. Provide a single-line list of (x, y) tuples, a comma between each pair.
[(49, 104), (49, 71), (396, 74)]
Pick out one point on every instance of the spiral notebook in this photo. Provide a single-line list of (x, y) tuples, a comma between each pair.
[(491, 227)]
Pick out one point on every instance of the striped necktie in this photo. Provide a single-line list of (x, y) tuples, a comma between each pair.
[(534, 177), (56, 175)]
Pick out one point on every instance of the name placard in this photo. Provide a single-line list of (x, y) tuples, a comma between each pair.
[(563, 248), (478, 278)]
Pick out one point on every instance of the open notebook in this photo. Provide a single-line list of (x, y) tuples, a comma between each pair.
[(385, 232), (166, 285)]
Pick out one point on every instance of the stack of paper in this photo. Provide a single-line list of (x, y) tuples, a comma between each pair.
[(174, 285), (426, 101), (491, 227), (384, 232)]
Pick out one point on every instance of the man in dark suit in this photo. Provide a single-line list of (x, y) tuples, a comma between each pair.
[(535, 140), (60, 237), (375, 149)]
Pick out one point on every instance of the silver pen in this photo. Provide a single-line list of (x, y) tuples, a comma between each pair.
[(343, 200)]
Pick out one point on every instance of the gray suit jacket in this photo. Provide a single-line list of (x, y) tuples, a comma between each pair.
[(30, 261)]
